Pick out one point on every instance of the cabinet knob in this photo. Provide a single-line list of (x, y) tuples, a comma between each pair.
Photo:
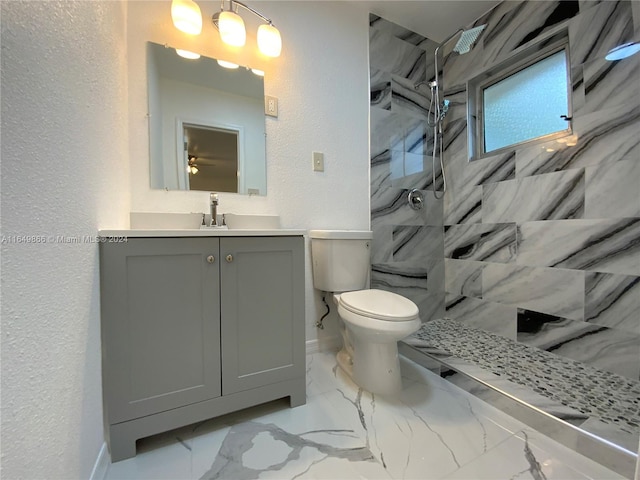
[(229, 258), (211, 259)]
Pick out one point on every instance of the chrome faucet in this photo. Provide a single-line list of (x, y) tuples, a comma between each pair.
[(214, 209)]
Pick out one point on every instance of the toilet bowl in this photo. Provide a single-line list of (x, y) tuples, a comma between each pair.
[(374, 321)]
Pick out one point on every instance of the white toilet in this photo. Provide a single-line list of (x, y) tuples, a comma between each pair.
[(374, 319)]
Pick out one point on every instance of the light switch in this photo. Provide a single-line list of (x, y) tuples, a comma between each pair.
[(318, 161)]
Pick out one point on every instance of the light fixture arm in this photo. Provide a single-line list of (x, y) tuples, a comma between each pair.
[(238, 4)]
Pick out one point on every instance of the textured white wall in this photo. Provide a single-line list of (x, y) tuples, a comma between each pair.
[(321, 81), (65, 172)]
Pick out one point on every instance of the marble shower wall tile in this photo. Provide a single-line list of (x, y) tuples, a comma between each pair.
[(489, 170), (393, 55), (613, 190), (597, 30), (543, 197), (417, 243), (606, 84), (550, 290), (610, 246), (463, 209), (604, 348), (481, 242), (490, 316), (613, 301), (389, 206), (463, 277), (606, 136), (523, 23), (380, 89)]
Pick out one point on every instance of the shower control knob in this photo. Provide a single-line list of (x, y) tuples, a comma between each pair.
[(211, 259), (229, 258)]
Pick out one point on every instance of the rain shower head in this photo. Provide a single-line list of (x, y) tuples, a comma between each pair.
[(467, 39)]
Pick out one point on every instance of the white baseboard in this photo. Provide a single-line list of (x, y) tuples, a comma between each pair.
[(101, 466), (329, 344)]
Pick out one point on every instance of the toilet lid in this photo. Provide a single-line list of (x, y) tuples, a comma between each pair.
[(379, 304)]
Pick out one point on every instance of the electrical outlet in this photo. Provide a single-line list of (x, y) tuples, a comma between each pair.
[(318, 161), (271, 106)]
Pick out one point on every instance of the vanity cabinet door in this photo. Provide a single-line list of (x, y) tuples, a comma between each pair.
[(262, 311), (160, 324)]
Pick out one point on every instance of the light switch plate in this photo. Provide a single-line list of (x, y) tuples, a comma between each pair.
[(271, 106), (318, 161)]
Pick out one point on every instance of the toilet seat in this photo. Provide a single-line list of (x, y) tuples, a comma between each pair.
[(379, 305)]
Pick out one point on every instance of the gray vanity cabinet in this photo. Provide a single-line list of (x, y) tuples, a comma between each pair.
[(262, 301), (196, 327)]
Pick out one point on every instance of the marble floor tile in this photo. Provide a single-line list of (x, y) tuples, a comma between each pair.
[(527, 455), (430, 430)]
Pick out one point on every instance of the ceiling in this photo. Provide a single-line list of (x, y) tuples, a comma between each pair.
[(435, 19)]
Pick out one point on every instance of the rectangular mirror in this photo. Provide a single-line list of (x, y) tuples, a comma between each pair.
[(206, 125)]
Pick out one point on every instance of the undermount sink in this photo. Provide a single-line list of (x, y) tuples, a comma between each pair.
[(243, 221)]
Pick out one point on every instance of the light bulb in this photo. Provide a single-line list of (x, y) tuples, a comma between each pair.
[(260, 73), (193, 170), (269, 40), (186, 16), (188, 54), (225, 64), (232, 31)]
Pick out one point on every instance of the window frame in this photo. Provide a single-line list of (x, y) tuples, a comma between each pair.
[(514, 64)]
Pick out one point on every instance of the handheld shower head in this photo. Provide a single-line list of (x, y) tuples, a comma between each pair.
[(467, 39)]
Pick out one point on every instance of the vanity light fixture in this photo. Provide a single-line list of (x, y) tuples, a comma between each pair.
[(232, 30), (186, 16), (260, 73)]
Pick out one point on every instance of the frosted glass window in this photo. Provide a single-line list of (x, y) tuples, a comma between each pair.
[(527, 104)]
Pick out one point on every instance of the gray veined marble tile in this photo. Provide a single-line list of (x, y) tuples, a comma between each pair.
[(481, 242), (600, 347), (387, 131), (489, 316), (399, 275), (549, 290), (382, 244), (417, 243), (413, 170), (611, 246), (597, 30), (462, 209), (543, 197), (396, 56), (609, 84), (463, 277), (613, 301), (606, 136), (527, 458), (406, 99), (523, 24), (380, 87), (232, 459), (613, 190), (398, 31), (389, 206), (497, 168), (380, 170)]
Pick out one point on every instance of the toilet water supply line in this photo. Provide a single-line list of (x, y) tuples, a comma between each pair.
[(319, 322)]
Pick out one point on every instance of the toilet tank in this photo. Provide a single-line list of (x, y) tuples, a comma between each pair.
[(341, 259)]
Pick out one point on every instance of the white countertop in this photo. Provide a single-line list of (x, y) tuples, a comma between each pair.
[(280, 232)]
